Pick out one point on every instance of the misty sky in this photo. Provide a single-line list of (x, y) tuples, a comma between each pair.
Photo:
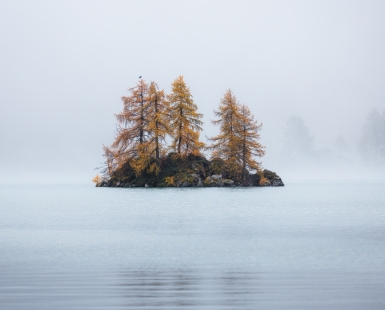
[(65, 65)]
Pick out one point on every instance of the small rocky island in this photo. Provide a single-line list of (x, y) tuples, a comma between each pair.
[(193, 171), (158, 143)]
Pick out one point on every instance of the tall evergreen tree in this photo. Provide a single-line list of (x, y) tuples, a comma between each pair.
[(248, 129), (226, 144), (146, 119), (185, 120), (158, 124), (132, 133), (237, 143)]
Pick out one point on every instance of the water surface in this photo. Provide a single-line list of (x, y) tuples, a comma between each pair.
[(308, 245)]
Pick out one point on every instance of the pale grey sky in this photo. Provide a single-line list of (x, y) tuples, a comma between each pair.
[(65, 65)]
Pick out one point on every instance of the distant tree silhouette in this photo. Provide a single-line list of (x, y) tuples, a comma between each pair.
[(382, 128), (340, 145), (372, 141), (297, 141)]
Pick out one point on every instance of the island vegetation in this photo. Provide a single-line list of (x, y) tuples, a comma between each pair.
[(157, 143)]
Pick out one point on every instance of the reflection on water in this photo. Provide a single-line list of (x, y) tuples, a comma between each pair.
[(191, 289)]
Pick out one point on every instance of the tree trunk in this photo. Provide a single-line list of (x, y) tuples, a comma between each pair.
[(156, 131), (244, 161), (244, 155), (141, 119), (180, 132)]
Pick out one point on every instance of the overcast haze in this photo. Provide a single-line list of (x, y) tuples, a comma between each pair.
[(65, 65)]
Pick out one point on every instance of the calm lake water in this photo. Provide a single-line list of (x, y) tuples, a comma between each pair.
[(308, 245)]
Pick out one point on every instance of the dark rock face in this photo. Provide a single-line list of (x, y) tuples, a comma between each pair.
[(273, 178), (193, 171), (200, 183), (217, 180), (277, 182)]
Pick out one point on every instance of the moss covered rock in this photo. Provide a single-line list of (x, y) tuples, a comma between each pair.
[(193, 171)]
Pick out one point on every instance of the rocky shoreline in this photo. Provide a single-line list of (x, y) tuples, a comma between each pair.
[(194, 171)]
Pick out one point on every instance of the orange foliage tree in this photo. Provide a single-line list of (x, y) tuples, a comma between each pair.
[(149, 116), (110, 163), (226, 144), (249, 146), (143, 126), (131, 133), (237, 143), (158, 126), (185, 120)]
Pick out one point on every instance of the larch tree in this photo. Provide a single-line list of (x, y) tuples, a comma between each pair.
[(158, 125), (237, 144), (185, 120), (249, 147), (132, 134), (226, 144), (110, 163)]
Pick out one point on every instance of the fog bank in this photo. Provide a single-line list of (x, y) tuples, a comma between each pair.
[(65, 65)]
